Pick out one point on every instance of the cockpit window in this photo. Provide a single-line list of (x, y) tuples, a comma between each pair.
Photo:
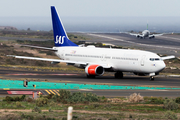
[(154, 59), (151, 59)]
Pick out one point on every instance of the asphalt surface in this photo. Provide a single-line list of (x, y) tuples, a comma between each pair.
[(166, 44), (128, 80)]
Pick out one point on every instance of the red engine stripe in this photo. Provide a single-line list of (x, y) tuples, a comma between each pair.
[(91, 69)]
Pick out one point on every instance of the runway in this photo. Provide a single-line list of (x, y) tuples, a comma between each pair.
[(166, 44), (80, 78)]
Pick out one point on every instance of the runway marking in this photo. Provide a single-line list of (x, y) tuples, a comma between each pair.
[(43, 74), (169, 37), (117, 39), (157, 90), (47, 91), (52, 92), (55, 92), (86, 89)]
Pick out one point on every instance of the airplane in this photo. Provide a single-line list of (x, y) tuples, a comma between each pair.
[(145, 33), (96, 60)]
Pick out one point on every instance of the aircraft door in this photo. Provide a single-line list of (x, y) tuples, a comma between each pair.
[(142, 60), (62, 54), (103, 57)]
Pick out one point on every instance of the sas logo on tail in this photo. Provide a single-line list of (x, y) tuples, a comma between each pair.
[(59, 39)]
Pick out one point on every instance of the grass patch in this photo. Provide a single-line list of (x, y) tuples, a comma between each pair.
[(94, 107)]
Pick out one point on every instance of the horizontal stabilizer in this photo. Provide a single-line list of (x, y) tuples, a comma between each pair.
[(168, 57), (45, 48)]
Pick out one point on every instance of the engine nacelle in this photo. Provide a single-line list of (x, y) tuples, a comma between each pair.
[(152, 37), (137, 36), (94, 70)]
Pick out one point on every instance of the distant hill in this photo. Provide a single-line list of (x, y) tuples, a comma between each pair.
[(8, 28)]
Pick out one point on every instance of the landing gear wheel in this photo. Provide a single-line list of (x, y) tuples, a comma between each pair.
[(118, 75), (152, 78), (90, 76)]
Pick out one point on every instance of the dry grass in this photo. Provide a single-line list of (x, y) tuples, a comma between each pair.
[(135, 98)]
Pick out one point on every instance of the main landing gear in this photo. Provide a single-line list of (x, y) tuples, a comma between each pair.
[(118, 75), (91, 76)]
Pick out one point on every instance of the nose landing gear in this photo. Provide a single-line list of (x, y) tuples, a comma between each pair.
[(152, 78)]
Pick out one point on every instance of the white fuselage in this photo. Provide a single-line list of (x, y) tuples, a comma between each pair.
[(146, 33), (124, 60)]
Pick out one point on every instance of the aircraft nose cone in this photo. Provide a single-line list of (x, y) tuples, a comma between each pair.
[(161, 66)]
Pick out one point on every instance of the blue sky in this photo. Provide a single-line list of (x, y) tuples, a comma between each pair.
[(107, 8)]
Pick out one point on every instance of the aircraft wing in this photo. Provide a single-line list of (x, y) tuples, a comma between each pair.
[(155, 35), (137, 35), (167, 57), (58, 60), (134, 34), (46, 59)]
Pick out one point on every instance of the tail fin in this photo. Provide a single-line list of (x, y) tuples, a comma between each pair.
[(60, 37)]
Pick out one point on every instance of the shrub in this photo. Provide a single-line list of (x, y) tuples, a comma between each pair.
[(52, 103), (178, 100), (41, 102), (96, 105), (170, 115), (113, 118), (29, 100), (49, 96), (85, 107), (134, 98), (156, 100), (8, 98), (170, 104), (36, 109), (27, 117), (83, 97), (18, 104), (64, 118), (67, 97), (50, 110), (108, 106)]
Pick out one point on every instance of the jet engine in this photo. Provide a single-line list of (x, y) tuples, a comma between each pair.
[(137, 36), (152, 37), (94, 70)]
